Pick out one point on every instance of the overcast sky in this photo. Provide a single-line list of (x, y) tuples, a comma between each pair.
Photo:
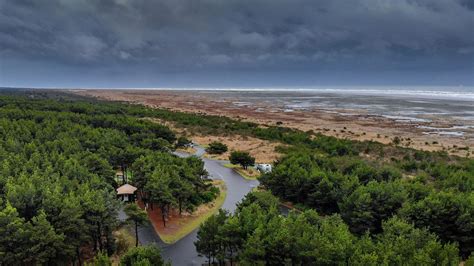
[(241, 43)]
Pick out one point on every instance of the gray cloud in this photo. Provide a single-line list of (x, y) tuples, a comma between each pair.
[(206, 36)]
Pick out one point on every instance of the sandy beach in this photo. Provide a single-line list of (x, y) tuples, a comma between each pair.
[(425, 133)]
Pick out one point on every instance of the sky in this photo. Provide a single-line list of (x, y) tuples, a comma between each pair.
[(235, 43)]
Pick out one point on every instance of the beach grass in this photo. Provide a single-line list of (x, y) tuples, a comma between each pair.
[(249, 174), (125, 240), (189, 150), (191, 224)]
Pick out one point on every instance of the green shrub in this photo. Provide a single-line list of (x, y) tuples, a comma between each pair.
[(182, 142), (216, 148), (143, 255), (241, 157)]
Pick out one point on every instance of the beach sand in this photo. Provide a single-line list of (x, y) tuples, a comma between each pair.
[(351, 124)]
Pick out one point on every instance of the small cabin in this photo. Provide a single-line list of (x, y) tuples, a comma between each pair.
[(126, 193)]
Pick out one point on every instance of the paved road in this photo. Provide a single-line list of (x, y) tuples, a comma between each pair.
[(183, 252)]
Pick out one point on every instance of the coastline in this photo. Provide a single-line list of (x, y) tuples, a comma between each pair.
[(350, 123)]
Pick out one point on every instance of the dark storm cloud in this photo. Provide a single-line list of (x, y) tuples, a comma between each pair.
[(258, 35)]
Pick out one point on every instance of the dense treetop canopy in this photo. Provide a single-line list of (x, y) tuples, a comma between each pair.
[(58, 161)]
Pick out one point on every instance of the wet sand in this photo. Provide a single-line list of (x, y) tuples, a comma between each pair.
[(426, 131)]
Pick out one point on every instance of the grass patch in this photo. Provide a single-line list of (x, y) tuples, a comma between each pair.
[(189, 150), (212, 156), (125, 240), (188, 225), (249, 173)]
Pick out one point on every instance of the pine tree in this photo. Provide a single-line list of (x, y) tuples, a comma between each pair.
[(136, 216)]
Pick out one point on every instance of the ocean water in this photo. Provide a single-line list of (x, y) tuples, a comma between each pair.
[(438, 92)]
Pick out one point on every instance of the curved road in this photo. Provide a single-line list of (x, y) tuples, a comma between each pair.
[(183, 252)]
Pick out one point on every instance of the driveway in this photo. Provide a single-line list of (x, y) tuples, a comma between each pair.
[(184, 252)]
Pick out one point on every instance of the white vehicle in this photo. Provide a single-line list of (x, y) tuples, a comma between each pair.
[(264, 167)]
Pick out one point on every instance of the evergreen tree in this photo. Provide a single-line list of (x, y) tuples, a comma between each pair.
[(208, 241), (447, 214), (216, 147), (242, 158), (159, 192), (14, 237), (101, 259), (46, 244), (136, 216), (142, 255), (182, 142)]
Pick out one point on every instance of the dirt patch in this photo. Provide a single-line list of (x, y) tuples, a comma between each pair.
[(263, 151)]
